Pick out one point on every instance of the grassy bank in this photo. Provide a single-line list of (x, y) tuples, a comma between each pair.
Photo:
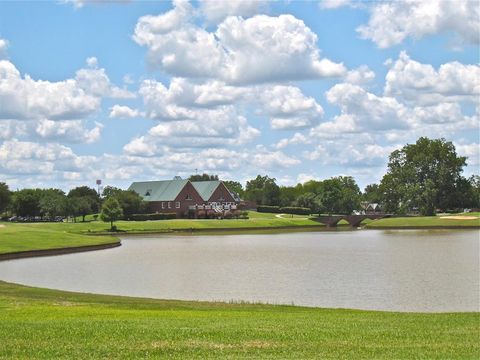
[(426, 222), (46, 324), (16, 237), (26, 237)]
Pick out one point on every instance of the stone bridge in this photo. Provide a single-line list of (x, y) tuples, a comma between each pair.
[(353, 220)]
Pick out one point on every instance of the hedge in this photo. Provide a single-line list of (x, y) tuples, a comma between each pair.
[(284, 210), (157, 216)]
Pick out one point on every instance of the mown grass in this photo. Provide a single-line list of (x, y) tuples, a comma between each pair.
[(424, 221), (39, 236), (25, 237), (46, 324)]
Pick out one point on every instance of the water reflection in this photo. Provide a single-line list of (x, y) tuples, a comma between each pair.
[(402, 270)]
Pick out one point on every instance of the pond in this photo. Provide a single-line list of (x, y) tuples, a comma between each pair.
[(399, 270)]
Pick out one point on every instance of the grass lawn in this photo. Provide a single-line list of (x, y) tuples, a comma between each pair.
[(35, 236), (23, 237), (424, 221), (46, 324)]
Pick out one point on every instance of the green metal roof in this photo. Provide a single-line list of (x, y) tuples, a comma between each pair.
[(166, 190), (206, 188)]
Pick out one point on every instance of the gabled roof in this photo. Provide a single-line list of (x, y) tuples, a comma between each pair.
[(206, 188), (166, 190)]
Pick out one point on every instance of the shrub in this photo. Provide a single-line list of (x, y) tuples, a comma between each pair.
[(157, 216), (295, 210), (268, 209)]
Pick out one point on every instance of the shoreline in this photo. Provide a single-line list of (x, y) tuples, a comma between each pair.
[(57, 251)]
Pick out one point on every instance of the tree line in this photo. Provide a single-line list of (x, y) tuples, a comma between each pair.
[(423, 177)]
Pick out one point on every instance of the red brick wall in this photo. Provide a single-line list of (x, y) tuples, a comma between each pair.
[(221, 191), (188, 189)]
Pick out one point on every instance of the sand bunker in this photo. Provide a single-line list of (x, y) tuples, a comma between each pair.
[(459, 217), (1, 225)]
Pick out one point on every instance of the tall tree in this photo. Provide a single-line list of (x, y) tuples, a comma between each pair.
[(235, 187), (26, 202), (52, 203), (373, 194), (129, 200), (203, 177), (85, 191), (424, 175), (5, 197), (111, 211), (263, 190)]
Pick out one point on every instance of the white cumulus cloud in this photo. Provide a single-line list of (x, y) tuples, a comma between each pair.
[(391, 22)]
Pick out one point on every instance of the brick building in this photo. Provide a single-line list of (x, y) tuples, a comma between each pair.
[(185, 198)]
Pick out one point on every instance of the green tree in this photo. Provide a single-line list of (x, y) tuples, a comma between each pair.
[(203, 177), (311, 201), (52, 203), (129, 200), (26, 202), (424, 175), (235, 187), (271, 193), (263, 190), (86, 192), (373, 194), (111, 211), (5, 197)]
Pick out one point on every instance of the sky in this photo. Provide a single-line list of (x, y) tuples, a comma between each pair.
[(127, 91)]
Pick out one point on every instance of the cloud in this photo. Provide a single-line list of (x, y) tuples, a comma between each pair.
[(368, 110), (223, 128), (121, 111), (471, 151), (334, 4), (241, 51), (71, 131), (24, 98), (420, 83), (3, 47), (216, 10), (391, 22), (359, 76), (288, 108)]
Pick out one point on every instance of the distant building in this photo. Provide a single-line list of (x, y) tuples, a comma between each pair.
[(186, 198)]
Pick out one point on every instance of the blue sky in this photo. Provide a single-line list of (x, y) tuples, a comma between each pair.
[(128, 91)]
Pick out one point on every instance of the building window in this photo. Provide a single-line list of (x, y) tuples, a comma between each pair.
[(169, 205), (177, 204), (163, 205), (189, 197), (149, 192)]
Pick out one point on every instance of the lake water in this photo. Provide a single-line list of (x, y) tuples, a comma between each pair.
[(400, 270)]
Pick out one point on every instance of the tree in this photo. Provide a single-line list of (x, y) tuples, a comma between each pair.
[(234, 186), (52, 203), (111, 211), (203, 177), (373, 194), (311, 201), (26, 202), (424, 175), (5, 197), (129, 200), (271, 193), (263, 190), (85, 191)]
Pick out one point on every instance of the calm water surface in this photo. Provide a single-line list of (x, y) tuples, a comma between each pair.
[(401, 270)]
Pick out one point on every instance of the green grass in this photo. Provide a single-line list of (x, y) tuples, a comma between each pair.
[(46, 324), (39, 236), (423, 221), (24, 237)]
